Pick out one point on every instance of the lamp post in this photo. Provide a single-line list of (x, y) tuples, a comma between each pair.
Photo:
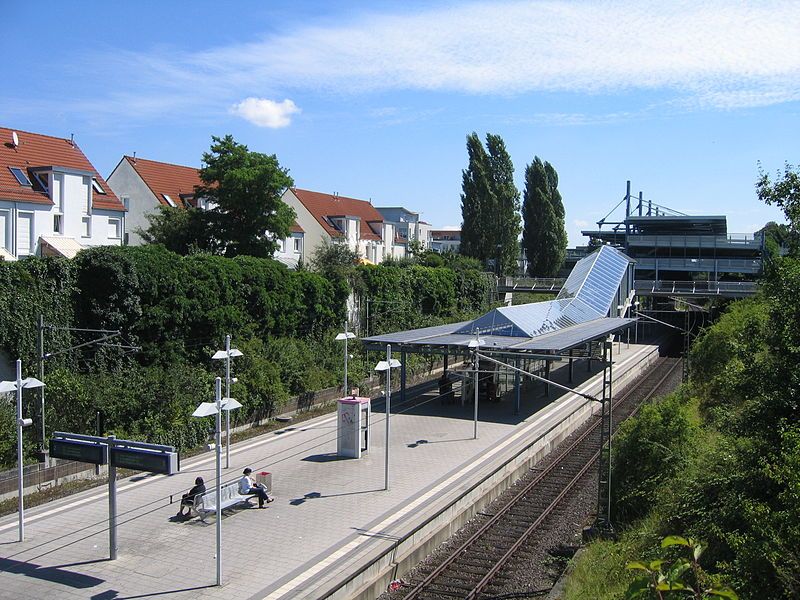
[(16, 386), (345, 335), (227, 354), (206, 409), (475, 344), (387, 365)]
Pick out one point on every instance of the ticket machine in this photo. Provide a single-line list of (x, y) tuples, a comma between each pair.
[(353, 427)]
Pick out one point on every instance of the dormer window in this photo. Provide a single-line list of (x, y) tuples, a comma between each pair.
[(170, 201), (97, 187), (43, 180), (20, 176)]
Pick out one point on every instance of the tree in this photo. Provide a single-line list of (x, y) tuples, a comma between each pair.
[(245, 190), (334, 259), (784, 193), (505, 220), (477, 202), (180, 230), (544, 236), (490, 204)]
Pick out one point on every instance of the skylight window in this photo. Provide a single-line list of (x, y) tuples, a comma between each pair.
[(170, 201), (97, 187), (20, 175)]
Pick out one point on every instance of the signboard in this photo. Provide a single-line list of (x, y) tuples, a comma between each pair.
[(145, 460), (87, 452)]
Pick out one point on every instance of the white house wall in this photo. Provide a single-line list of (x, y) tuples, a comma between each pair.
[(314, 235), (126, 183), (70, 193)]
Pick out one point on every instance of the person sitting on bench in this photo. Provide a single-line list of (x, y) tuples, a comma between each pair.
[(189, 497), (249, 487)]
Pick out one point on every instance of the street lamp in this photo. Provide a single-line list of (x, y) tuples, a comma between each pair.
[(345, 335), (16, 386), (387, 365), (227, 354), (206, 409), (475, 344)]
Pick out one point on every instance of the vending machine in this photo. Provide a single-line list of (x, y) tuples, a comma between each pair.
[(353, 427)]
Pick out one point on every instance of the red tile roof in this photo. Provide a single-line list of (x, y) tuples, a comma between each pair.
[(165, 178), (327, 205), (36, 150), (295, 228)]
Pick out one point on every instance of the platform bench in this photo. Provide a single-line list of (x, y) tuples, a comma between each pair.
[(205, 504)]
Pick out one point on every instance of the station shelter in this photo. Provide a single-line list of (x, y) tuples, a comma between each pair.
[(589, 309)]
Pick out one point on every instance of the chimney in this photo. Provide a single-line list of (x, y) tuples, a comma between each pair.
[(72, 139), (134, 157)]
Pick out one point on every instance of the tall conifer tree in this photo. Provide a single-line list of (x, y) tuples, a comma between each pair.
[(544, 236), (490, 204)]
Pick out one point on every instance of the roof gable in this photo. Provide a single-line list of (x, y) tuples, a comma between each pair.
[(37, 150), (165, 179), (323, 206)]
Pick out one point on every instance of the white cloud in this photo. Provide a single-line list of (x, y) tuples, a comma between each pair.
[(685, 55), (266, 113), (716, 53), (580, 223)]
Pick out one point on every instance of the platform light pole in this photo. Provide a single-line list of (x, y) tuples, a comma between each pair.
[(16, 386), (227, 354), (475, 344), (387, 365), (206, 409), (345, 335)]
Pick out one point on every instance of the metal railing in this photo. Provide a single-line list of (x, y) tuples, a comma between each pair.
[(699, 288)]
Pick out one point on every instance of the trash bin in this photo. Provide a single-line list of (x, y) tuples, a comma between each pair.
[(353, 427), (264, 478)]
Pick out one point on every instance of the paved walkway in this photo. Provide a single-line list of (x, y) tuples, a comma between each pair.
[(328, 516)]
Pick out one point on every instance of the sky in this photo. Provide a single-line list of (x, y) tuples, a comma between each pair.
[(374, 100)]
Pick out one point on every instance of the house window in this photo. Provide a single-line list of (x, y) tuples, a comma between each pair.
[(170, 201), (280, 246), (20, 176), (298, 245), (86, 227), (43, 181), (97, 187), (58, 223), (115, 229), (126, 202)]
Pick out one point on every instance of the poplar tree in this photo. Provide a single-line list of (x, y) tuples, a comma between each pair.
[(505, 220), (544, 236), (477, 202), (490, 204)]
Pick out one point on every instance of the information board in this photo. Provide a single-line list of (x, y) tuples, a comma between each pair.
[(145, 460), (88, 452)]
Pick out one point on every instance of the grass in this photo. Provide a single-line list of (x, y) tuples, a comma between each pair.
[(69, 488)]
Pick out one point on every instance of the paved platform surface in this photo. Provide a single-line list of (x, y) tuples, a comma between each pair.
[(328, 514)]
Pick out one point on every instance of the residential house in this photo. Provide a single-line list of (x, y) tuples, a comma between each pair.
[(407, 224), (145, 185), (52, 200), (445, 240), (327, 217)]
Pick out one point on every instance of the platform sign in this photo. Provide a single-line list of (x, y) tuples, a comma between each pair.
[(88, 452), (145, 460)]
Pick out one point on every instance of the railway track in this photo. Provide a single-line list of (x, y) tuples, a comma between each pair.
[(475, 568)]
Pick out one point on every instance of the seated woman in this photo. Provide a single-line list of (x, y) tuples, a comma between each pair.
[(188, 498), (249, 487)]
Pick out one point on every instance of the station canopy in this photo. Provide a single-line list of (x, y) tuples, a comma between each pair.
[(578, 314)]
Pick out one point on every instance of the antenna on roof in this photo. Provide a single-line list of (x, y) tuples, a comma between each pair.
[(72, 139), (134, 156), (14, 139)]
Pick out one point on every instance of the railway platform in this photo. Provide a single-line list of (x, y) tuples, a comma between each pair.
[(333, 529)]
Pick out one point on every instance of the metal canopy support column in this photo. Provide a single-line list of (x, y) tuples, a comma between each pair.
[(571, 361), (517, 389), (402, 374), (444, 373), (547, 376)]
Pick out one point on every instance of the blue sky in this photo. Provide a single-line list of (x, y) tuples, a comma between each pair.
[(374, 100)]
